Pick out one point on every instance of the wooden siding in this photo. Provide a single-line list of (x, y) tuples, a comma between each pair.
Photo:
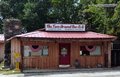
[(52, 60), (109, 54), (43, 62), (86, 61), (15, 48), (1, 51)]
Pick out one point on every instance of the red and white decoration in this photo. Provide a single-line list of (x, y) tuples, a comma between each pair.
[(35, 49), (90, 48)]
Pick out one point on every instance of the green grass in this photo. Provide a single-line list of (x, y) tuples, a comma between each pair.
[(7, 71)]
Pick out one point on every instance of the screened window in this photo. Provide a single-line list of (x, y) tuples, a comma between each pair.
[(35, 50), (90, 50)]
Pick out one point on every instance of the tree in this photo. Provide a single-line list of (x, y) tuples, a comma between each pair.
[(32, 13), (35, 12), (65, 11), (116, 20), (11, 8), (95, 17)]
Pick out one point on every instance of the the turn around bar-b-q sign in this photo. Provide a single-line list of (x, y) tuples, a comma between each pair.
[(64, 27)]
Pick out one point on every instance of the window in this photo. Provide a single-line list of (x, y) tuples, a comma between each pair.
[(44, 51), (35, 50), (27, 51), (63, 51), (90, 50)]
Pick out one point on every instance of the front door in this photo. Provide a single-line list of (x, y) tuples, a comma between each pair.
[(64, 54)]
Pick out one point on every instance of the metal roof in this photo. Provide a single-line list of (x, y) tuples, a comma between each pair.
[(64, 35)]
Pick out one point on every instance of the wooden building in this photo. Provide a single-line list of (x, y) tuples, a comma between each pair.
[(62, 46), (1, 47)]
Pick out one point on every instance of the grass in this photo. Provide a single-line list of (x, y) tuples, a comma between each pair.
[(7, 71)]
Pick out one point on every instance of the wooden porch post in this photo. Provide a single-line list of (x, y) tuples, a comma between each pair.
[(109, 54)]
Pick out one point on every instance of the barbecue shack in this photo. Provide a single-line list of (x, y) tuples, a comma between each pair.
[(62, 46)]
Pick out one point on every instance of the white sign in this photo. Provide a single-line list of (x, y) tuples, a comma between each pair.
[(65, 27)]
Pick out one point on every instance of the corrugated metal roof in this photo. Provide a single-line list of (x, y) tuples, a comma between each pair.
[(78, 35)]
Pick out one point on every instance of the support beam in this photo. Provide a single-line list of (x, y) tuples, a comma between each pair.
[(109, 54)]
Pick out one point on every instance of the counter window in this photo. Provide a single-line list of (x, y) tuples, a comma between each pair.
[(35, 50), (90, 50)]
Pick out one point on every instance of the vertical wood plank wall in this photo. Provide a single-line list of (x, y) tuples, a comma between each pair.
[(106, 54), (52, 60), (86, 61), (43, 62), (15, 47), (1, 51), (109, 54)]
